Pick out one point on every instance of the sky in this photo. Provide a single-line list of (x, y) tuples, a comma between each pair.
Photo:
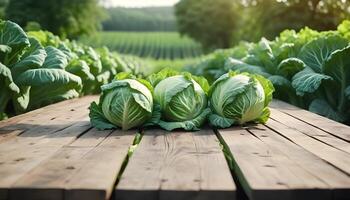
[(139, 3)]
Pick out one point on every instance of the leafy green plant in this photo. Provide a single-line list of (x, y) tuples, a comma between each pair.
[(31, 76), (239, 98), (307, 68), (182, 99), (326, 78), (126, 102)]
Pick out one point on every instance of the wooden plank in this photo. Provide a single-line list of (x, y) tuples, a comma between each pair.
[(177, 165), (335, 128), (310, 131), (19, 162), (337, 181), (95, 181), (41, 139), (28, 117), (48, 125), (266, 171), (334, 156), (45, 180), (86, 169), (53, 114)]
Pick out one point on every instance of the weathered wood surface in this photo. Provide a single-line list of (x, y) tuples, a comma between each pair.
[(53, 153), (294, 156), (177, 165), (59, 156)]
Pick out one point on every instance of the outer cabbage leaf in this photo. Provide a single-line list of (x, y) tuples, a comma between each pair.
[(13, 37), (237, 65), (316, 52), (97, 118), (49, 85), (154, 79), (167, 90), (181, 98), (55, 58), (189, 125), (338, 67), (135, 85), (290, 66), (108, 62), (218, 121), (261, 55), (308, 81), (93, 60), (5, 49), (126, 103), (33, 58), (224, 92), (267, 86), (7, 80), (281, 82), (239, 98), (81, 69), (7, 87)]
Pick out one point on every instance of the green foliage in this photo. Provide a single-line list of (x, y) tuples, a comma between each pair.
[(124, 103), (3, 4), (32, 75), (181, 98), (157, 45), (67, 18), (140, 19), (309, 69), (269, 17), (239, 98), (249, 20), (209, 22), (38, 68)]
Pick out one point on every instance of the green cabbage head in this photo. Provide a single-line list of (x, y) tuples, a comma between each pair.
[(239, 98), (182, 99), (125, 103)]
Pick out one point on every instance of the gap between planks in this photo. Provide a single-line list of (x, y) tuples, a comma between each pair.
[(332, 127), (177, 165), (85, 169), (269, 165)]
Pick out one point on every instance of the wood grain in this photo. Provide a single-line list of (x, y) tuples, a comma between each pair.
[(41, 139), (270, 167), (335, 128), (50, 118), (334, 156), (177, 165), (85, 169), (311, 131)]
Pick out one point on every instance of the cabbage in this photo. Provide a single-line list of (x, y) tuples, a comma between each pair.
[(239, 98), (182, 99), (124, 103)]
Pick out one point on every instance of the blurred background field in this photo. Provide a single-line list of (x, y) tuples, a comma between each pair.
[(205, 37), (157, 45)]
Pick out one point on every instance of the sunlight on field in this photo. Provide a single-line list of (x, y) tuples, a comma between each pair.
[(158, 45)]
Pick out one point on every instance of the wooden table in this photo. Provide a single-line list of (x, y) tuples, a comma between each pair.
[(54, 154)]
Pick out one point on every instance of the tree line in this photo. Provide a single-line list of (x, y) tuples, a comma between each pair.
[(215, 24), (140, 19), (223, 23)]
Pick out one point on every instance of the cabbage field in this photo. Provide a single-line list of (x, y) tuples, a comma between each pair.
[(157, 45), (307, 68), (37, 68), (310, 69)]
